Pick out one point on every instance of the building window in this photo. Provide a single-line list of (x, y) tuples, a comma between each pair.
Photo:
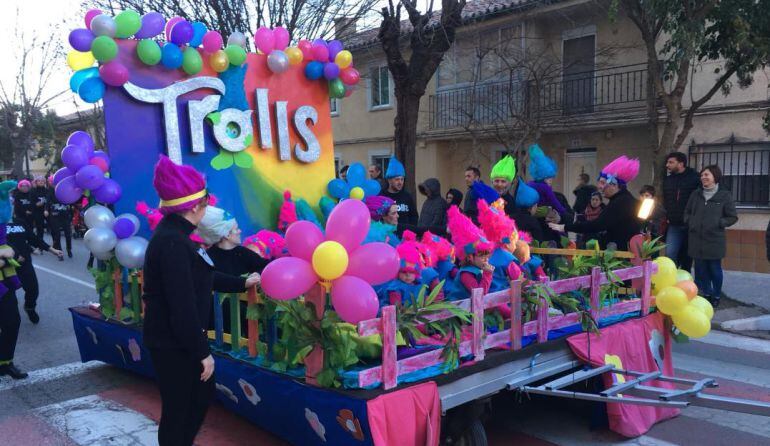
[(334, 105), (337, 166), (380, 160), (379, 87)]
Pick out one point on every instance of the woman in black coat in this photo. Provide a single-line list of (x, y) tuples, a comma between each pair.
[(178, 281), (709, 211)]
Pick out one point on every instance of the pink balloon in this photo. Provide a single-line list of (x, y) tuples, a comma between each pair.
[(281, 37), (302, 238), (353, 299), (264, 39), (350, 76), (90, 16), (287, 278), (114, 73), (212, 42), (320, 53), (348, 224), (170, 24), (376, 263), (307, 49)]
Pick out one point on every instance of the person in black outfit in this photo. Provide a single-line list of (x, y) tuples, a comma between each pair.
[(680, 183), (453, 198), (433, 212), (583, 193), (40, 195), (23, 204), (178, 280), (23, 241), (375, 173), (407, 208), (470, 206), (60, 220), (525, 207)]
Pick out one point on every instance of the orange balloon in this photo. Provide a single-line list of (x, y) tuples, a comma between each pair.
[(689, 288), (219, 61)]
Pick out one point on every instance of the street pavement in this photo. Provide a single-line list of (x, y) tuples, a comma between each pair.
[(65, 402)]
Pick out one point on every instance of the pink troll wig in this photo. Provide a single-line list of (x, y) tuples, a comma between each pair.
[(495, 224), (441, 249), (409, 253), (288, 212), (153, 216), (268, 244), (427, 258), (466, 236), (379, 206), (180, 187), (621, 170)]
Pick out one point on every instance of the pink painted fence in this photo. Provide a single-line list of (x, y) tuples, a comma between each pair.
[(391, 368)]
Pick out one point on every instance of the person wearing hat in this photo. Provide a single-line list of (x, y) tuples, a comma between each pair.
[(384, 214), (503, 177), (407, 209), (525, 207), (178, 281)]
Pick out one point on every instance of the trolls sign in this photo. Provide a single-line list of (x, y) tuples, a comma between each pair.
[(253, 132)]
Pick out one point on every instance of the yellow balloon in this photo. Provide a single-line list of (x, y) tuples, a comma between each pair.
[(703, 305), (666, 275), (671, 300), (330, 260), (693, 323), (682, 275), (80, 60), (219, 61), (357, 193), (294, 54), (343, 59)]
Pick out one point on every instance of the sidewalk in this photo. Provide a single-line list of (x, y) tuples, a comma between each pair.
[(748, 288), (747, 304)]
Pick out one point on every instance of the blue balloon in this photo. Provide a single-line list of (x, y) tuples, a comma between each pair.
[(356, 175), (171, 56), (199, 29), (372, 188), (91, 90), (338, 188), (81, 75), (314, 70)]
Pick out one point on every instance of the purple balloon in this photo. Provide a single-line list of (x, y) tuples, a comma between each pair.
[(319, 42), (152, 25), (80, 39), (182, 32), (82, 139), (74, 157), (89, 177), (123, 227), (335, 46), (67, 191), (287, 278), (109, 193), (61, 174), (331, 71)]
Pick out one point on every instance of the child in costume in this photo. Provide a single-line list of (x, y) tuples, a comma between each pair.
[(525, 209), (543, 170), (502, 231), (406, 287), (428, 273), (9, 306), (267, 244), (442, 257), (384, 214), (473, 249)]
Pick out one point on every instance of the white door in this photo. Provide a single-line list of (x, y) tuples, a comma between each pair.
[(579, 161)]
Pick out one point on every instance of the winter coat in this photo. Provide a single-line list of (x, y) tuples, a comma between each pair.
[(433, 213), (767, 241), (677, 189), (470, 205), (618, 219), (407, 209), (706, 222), (583, 196), (23, 205)]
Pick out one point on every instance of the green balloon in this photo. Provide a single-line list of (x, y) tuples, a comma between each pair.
[(191, 61), (236, 54), (148, 51), (336, 89), (127, 23), (104, 48)]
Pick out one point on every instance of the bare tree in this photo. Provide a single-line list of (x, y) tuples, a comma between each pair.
[(23, 102), (302, 18)]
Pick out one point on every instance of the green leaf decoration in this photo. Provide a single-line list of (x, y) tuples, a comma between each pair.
[(214, 117), (248, 140), (222, 161), (243, 160)]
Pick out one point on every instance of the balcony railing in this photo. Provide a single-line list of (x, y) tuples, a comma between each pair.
[(565, 96), (745, 168)]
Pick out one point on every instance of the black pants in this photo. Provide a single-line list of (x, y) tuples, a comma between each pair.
[(184, 397), (9, 325), (39, 222), (59, 225), (28, 278)]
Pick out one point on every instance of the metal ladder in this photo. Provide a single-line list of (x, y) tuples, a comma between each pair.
[(635, 391)]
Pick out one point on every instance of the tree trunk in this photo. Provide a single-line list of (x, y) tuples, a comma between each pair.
[(407, 114), (652, 129)]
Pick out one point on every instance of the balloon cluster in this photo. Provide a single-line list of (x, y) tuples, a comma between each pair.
[(84, 169), (356, 186), (331, 61), (96, 42), (337, 260), (109, 235), (676, 295)]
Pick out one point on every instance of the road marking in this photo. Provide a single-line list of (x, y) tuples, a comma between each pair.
[(51, 374), (64, 276), (736, 341)]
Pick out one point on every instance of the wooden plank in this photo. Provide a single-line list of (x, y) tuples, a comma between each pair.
[(218, 322), (515, 302), (564, 321), (595, 302), (579, 252), (542, 321), (252, 327), (626, 306), (117, 278), (477, 308), (235, 321), (226, 336), (389, 360), (647, 288)]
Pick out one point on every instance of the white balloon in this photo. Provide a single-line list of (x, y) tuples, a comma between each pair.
[(98, 216), (134, 219), (100, 240), (237, 38), (130, 252)]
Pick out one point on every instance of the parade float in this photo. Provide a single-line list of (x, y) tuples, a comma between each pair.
[(316, 359)]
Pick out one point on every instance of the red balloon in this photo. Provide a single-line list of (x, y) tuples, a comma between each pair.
[(307, 49), (350, 76), (100, 163)]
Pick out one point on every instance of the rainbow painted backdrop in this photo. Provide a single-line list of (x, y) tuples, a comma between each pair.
[(136, 137)]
